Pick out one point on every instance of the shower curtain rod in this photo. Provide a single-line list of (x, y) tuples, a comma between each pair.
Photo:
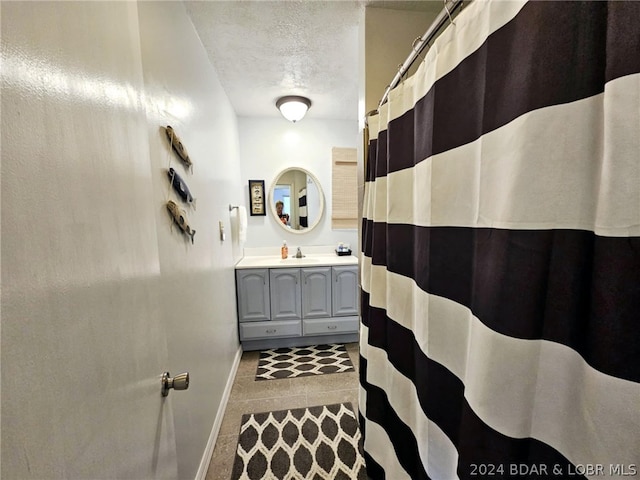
[(450, 6)]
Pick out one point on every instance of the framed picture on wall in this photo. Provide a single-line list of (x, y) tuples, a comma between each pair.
[(256, 197)]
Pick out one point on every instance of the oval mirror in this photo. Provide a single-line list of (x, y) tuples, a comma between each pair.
[(296, 200)]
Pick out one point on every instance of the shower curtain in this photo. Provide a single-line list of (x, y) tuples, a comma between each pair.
[(500, 258), (302, 208)]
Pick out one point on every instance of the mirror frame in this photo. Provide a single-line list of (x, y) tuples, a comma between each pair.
[(272, 203)]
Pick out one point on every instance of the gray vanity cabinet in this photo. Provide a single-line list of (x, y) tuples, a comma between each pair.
[(255, 302), (286, 298), (316, 292), (289, 307), (344, 292), (253, 295)]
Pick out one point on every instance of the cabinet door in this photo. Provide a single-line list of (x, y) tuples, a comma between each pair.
[(286, 301), (316, 292), (253, 295), (344, 291)]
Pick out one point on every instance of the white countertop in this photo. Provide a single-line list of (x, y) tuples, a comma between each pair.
[(309, 260)]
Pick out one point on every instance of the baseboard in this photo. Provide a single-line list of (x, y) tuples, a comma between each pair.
[(208, 453)]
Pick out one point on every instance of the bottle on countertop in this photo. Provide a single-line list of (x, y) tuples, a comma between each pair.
[(284, 250)]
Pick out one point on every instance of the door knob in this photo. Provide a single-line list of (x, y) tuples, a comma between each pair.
[(179, 382)]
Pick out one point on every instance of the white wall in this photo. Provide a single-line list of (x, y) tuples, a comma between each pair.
[(268, 146), (99, 295), (197, 281)]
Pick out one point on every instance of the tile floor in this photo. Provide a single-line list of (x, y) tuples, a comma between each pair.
[(251, 396)]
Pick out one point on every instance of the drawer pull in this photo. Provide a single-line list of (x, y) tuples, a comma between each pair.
[(332, 327), (270, 330)]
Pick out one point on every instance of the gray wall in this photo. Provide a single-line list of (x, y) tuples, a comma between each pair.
[(388, 38), (99, 293)]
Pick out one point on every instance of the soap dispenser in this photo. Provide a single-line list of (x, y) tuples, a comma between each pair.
[(284, 250)]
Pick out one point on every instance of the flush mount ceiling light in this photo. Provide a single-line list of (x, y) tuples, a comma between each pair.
[(293, 107)]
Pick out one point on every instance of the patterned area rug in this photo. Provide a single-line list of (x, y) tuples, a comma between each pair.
[(302, 361), (306, 443)]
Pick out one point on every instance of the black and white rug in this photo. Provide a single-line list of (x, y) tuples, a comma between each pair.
[(305, 443), (303, 361)]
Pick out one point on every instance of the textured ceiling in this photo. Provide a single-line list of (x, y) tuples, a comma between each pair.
[(265, 49)]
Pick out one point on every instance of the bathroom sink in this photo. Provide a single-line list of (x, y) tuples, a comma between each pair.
[(300, 262), (312, 260), (281, 262)]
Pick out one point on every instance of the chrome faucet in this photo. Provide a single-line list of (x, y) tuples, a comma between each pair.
[(299, 253)]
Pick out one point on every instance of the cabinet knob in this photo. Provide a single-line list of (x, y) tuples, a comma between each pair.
[(332, 327), (270, 330)]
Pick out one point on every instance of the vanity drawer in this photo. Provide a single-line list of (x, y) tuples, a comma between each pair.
[(270, 329), (328, 326)]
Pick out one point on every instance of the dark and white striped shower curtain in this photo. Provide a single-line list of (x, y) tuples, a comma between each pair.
[(302, 208), (501, 251)]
